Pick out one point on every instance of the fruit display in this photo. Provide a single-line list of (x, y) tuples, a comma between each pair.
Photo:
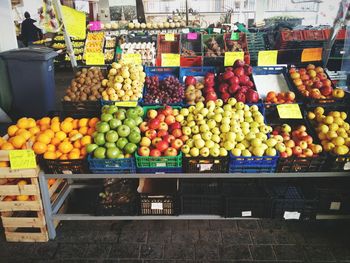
[(212, 48), (215, 129), (58, 38), (87, 85), (117, 134), (280, 98), (77, 57), (110, 42), (209, 87), (193, 91), (159, 25), (147, 51), (78, 51), (313, 82), (109, 55), (58, 45), (94, 42), (161, 133), (236, 82), (294, 141), (124, 82), (332, 129), (78, 44), (19, 183), (166, 91)]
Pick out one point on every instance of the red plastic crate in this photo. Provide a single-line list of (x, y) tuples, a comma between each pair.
[(290, 35), (191, 61), (340, 36), (168, 46), (314, 35)]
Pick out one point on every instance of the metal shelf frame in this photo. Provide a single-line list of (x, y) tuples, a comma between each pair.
[(52, 214)]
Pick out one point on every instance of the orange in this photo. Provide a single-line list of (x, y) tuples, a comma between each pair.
[(73, 155), (4, 164), (34, 130), (83, 130), (24, 146), (75, 150), (55, 126), (60, 135), (86, 140), (90, 131), (58, 154), (93, 122), (22, 197), (69, 119), (55, 141), (51, 148), (50, 155), (44, 127), (77, 144), (18, 141), (32, 138), (44, 138), (50, 133), (2, 141), (39, 147), (22, 182), (11, 130), (44, 121), (75, 124), (55, 119), (72, 133), (23, 123), (65, 147), (83, 152), (66, 126), (51, 181), (26, 134), (7, 146), (83, 122), (64, 157), (31, 123)]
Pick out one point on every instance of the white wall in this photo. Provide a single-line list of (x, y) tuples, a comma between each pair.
[(7, 27), (103, 10)]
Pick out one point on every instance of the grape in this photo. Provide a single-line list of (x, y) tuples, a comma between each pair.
[(168, 90)]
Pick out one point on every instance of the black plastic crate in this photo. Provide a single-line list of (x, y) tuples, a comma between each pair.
[(194, 45), (79, 166), (81, 109), (245, 198), (127, 209), (294, 164), (292, 201), (201, 204), (200, 186), (157, 204), (205, 164)]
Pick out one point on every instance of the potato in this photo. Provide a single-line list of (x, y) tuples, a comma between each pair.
[(66, 98)]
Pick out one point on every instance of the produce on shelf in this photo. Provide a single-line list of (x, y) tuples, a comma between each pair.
[(124, 82), (235, 82), (213, 49), (146, 50), (215, 128), (313, 82), (117, 134), (94, 42), (78, 44), (294, 141), (85, 86), (159, 25), (59, 45), (166, 91), (109, 54), (209, 87), (19, 183), (59, 38), (188, 52), (332, 129), (77, 57), (162, 135), (193, 92), (110, 42), (280, 98)]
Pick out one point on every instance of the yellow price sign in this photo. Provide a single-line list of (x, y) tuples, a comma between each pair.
[(231, 57), (169, 37), (74, 22), (289, 111), (95, 59), (311, 54), (267, 57), (132, 58), (22, 159), (129, 104), (170, 60)]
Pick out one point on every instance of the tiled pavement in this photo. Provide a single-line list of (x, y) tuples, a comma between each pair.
[(188, 241)]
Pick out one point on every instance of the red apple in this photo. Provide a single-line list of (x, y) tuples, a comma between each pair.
[(170, 119), (177, 144), (238, 63), (163, 126), (223, 87), (211, 96), (322, 76), (283, 155), (297, 150), (168, 110), (151, 134), (227, 75), (312, 73), (240, 96), (319, 69), (155, 153), (209, 82), (310, 66), (252, 96), (239, 71), (151, 114), (144, 127), (304, 77), (308, 152), (156, 140), (248, 70), (302, 71), (175, 125), (229, 69), (233, 80), (327, 83), (326, 90), (209, 75), (154, 124), (308, 139), (177, 133), (162, 133), (295, 76), (290, 96), (250, 84), (190, 80), (297, 82), (225, 96), (169, 138), (161, 117), (143, 151), (233, 88), (170, 152), (243, 79), (162, 145), (184, 138)]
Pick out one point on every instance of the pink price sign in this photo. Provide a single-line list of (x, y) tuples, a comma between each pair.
[(95, 25), (192, 36)]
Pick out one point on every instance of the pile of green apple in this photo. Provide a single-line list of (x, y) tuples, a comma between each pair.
[(215, 129), (117, 134)]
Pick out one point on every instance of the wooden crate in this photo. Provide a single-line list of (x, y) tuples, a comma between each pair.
[(24, 221)]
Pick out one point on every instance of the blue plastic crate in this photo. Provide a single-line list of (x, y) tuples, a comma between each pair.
[(253, 164), (162, 170), (112, 166), (195, 71)]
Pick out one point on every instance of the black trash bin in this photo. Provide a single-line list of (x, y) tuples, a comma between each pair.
[(31, 73)]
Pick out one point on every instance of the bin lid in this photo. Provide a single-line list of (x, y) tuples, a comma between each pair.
[(30, 54)]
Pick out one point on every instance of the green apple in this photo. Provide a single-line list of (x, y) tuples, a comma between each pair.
[(227, 114), (229, 145), (105, 109), (91, 147), (245, 130), (186, 131), (190, 143), (236, 152), (209, 144), (227, 107), (215, 152), (254, 130), (250, 136), (139, 111), (225, 127), (112, 109), (279, 138), (99, 139), (138, 120), (259, 119), (190, 117), (120, 114), (271, 152), (131, 113), (194, 152), (231, 136), (264, 146), (204, 128), (120, 156), (121, 143), (100, 153), (218, 117), (256, 142), (129, 122), (219, 102), (191, 108), (134, 137), (261, 136), (199, 143), (210, 115), (246, 153), (249, 119), (215, 138), (196, 137), (185, 148), (254, 125), (240, 146), (215, 130), (235, 129), (130, 148), (112, 153), (246, 143), (191, 124), (247, 114), (271, 142), (114, 123), (239, 137), (180, 118), (135, 129), (195, 129), (111, 136), (123, 130), (102, 127), (232, 101), (207, 135), (254, 108), (106, 117), (223, 152), (281, 147), (211, 124), (258, 151), (204, 111), (239, 105), (245, 125), (198, 117), (225, 120), (109, 145), (204, 152), (184, 112)]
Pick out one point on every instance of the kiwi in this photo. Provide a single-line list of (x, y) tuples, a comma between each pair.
[(66, 98)]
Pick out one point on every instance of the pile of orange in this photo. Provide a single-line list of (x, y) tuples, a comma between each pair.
[(55, 139)]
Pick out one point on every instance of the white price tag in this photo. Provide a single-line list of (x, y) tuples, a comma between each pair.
[(217, 30), (67, 172), (246, 213), (291, 215), (158, 206), (335, 206), (205, 167), (347, 166), (185, 30), (124, 32), (160, 164)]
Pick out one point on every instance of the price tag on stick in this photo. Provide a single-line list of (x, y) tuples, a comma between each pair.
[(231, 57), (170, 60), (289, 111), (22, 159), (132, 58), (311, 54), (95, 59), (169, 37), (267, 58), (234, 36), (192, 36)]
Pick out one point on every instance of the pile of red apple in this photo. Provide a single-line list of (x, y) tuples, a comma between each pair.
[(235, 82), (280, 98), (312, 82), (209, 87), (296, 142), (161, 133)]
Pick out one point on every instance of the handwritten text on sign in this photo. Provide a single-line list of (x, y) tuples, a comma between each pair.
[(74, 22), (95, 25), (267, 58), (132, 58), (311, 54), (231, 57), (95, 59), (22, 159), (170, 60), (169, 37), (289, 111)]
